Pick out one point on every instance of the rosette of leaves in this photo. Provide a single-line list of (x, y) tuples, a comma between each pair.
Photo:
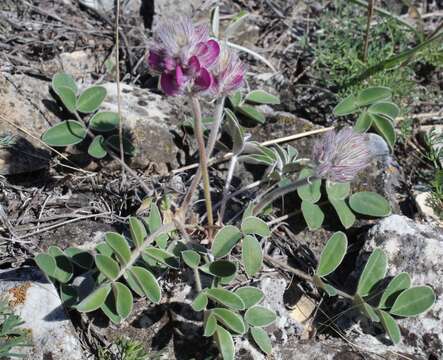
[(381, 299), (366, 203), (228, 313), (375, 110), (87, 119), (120, 268), (246, 106)]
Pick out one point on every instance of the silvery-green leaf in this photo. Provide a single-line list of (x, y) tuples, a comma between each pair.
[(374, 271), (252, 255), (225, 240), (332, 254), (255, 225), (230, 319), (95, 300)]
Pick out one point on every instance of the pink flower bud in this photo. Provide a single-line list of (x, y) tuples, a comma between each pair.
[(228, 74)]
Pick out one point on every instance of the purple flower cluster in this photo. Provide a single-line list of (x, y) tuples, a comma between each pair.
[(339, 156), (188, 60)]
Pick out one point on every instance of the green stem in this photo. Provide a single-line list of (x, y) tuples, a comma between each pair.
[(281, 191)]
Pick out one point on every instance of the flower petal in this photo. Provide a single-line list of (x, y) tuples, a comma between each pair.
[(203, 81), (155, 60), (179, 77), (194, 66), (208, 52), (169, 84)]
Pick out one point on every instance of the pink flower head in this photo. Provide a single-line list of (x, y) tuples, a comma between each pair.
[(339, 156), (183, 54), (229, 74)]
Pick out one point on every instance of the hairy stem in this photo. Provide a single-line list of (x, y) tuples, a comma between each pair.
[(117, 76), (303, 275), (213, 135), (224, 201), (281, 191), (198, 128), (187, 240), (148, 241), (198, 283), (218, 118)]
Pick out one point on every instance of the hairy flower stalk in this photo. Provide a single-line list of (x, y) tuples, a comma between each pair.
[(190, 63), (338, 156)]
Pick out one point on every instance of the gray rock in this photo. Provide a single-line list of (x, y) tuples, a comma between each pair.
[(84, 234), (425, 208), (418, 250), (148, 118), (27, 102), (107, 6), (38, 304), (21, 104), (166, 8), (80, 64)]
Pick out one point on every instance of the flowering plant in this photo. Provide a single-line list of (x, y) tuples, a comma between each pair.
[(191, 63)]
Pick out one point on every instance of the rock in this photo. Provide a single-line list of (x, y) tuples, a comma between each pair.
[(26, 102), (36, 301), (21, 156), (129, 7), (22, 103), (418, 250), (422, 200), (84, 234), (167, 8), (148, 118), (79, 64)]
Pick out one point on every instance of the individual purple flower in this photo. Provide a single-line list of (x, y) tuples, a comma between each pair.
[(339, 156), (182, 54), (228, 74)]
